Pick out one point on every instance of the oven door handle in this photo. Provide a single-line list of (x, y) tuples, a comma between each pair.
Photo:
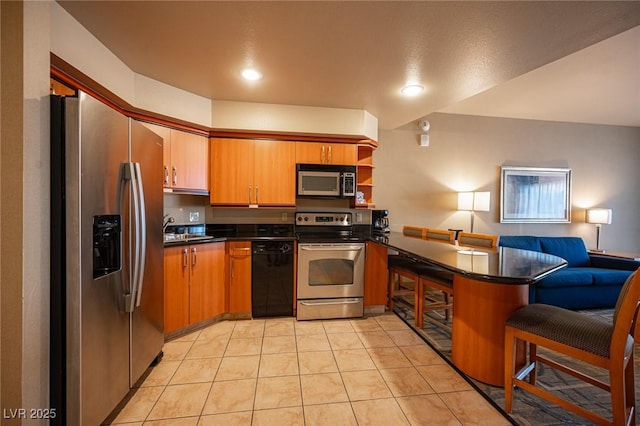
[(330, 302), (331, 248)]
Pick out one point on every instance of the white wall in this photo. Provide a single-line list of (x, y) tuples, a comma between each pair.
[(419, 184), (24, 363), (229, 115), (35, 207)]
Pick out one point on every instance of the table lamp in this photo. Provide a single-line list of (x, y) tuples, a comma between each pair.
[(474, 202), (598, 217)]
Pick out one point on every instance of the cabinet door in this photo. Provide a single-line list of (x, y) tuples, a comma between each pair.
[(239, 276), (275, 173), (311, 152), (206, 286), (165, 134), (176, 288), (189, 161), (375, 275), (232, 164), (342, 153)]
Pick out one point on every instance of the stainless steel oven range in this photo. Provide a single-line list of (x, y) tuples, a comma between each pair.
[(330, 267)]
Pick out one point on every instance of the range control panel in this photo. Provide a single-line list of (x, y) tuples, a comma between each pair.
[(323, 219)]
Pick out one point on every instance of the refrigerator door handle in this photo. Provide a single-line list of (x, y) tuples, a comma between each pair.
[(141, 232), (132, 297), (127, 283)]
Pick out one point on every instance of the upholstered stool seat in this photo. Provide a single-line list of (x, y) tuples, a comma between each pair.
[(572, 328)]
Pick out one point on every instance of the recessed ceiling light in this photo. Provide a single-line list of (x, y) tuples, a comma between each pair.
[(412, 90), (251, 74)]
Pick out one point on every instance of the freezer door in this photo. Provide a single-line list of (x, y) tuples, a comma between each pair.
[(96, 144), (147, 336)]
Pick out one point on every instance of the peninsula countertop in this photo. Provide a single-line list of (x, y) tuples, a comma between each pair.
[(502, 265)]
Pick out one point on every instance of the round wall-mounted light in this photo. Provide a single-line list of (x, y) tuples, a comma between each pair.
[(251, 74), (412, 90)]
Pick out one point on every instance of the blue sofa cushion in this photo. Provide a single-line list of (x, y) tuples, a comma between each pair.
[(586, 297), (567, 277), (524, 242), (571, 249), (605, 277)]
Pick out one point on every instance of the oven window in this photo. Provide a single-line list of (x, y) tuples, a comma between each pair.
[(331, 272)]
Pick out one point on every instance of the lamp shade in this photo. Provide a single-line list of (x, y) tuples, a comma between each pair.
[(474, 201), (599, 216), (465, 201), (481, 201)]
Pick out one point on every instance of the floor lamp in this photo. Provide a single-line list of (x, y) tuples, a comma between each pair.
[(474, 202), (598, 217)]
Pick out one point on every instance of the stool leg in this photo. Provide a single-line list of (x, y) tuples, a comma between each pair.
[(509, 366), (533, 358), (419, 304)]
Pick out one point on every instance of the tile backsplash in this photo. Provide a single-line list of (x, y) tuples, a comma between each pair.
[(195, 209)]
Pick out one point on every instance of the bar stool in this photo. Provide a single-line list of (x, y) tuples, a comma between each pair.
[(582, 337), (404, 272)]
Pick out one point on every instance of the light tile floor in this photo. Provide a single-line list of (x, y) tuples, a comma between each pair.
[(370, 371)]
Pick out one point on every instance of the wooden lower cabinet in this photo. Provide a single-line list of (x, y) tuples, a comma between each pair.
[(375, 275), (239, 277), (194, 284)]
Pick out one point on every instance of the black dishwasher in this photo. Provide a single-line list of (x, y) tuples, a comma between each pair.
[(272, 278)]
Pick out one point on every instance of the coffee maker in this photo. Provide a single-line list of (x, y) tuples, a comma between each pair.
[(380, 222)]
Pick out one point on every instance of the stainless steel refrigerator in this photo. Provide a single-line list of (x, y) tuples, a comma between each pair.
[(106, 255)]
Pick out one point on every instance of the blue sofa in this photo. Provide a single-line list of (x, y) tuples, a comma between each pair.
[(588, 281)]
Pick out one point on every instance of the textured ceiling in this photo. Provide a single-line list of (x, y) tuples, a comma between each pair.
[(351, 54)]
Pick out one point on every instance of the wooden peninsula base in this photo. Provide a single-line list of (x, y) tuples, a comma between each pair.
[(480, 310)]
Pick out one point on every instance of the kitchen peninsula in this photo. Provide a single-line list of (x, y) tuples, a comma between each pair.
[(488, 285)]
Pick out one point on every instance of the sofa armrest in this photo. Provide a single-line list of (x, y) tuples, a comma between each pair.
[(608, 262)]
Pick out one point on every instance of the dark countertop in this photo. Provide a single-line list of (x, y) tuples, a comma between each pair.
[(192, 241), (212, 233), (504, 265)]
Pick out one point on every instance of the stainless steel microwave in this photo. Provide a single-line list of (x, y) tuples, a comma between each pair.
[(326, 180)]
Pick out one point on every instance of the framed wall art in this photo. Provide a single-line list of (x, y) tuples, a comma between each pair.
[(535, 195)]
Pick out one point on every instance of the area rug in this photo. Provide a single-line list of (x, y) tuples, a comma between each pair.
[(528, 409)]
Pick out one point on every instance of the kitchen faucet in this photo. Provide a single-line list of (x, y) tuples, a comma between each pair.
[(168, 219)]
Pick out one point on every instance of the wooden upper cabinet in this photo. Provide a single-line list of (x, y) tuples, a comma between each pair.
[(252, 172), (185, 158), (326, 153), (231, 171), (189, 161), (275, 173)]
